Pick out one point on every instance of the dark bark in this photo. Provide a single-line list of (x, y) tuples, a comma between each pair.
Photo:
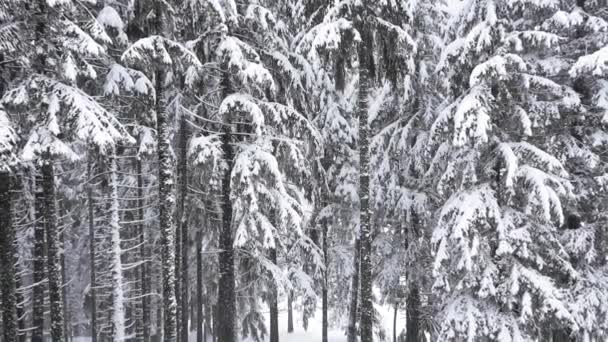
[(226, 308), (365, 73), (178, 284), (21, 316), (38, 263), (354, 294), (290, 312), (413, 314), (144, 256), (7, 260), (273, 302), (165, 216), (215, 324), (64, 289), (199, 288), (165, 199), (53, 248), (562, 335), (41, 19), (325, 304), (93, 285), (183, 146)]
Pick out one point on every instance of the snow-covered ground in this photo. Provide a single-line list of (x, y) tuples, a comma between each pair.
[(313, 333)]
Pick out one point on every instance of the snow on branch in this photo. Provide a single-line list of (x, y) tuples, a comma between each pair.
[(470, 118), (594, 64), (460, 221), (8, 143), (157, 51), (81, 116), (496, 68), (81, 42), (245, 61), (206, 151), (260, 15), (327, 36), (130, 80), (244, 104)]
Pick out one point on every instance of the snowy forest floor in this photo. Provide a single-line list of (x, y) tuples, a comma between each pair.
[(313, 333), (335, 334)]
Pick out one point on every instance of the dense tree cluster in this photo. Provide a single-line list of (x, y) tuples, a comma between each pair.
[(169, 167)]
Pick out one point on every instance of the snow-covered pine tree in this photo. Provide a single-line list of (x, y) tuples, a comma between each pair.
[(400, 107), (580, 146), (327, 46), (8, 162), (164, 58), (498, 262), (65, 113), (259, 125), (8, 165)]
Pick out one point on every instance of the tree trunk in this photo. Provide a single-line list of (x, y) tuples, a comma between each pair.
[(20, 310), (118, 297), (395, 322), (53, 248), (199, 288), (273, 302), (165, 200), (64, 288), (178, 283), (216, 324), (365, 72), (413, 314), (226, 307), (183, 227), (7, 260), (93, 285), (325, 304), (354, 294), (290, 312), (562, 336), (39, 260), (144, 257)]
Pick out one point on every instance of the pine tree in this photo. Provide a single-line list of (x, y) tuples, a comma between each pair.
[(7, 242), (498, 260)]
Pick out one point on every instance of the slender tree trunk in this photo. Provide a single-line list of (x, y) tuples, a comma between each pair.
[(184, 230), (325, 304), (64, 288), (413, 314), (53, 249), (216, 324), (226, 307), (39, 261), (396, 310), (354, 294), (199, 288), (290, 312), (165, 200), (365, 73), (273, 303), (118, 297), (7, 260), (178, 283), (143, 255), (93, 285), (42, 196), (20, 309)]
